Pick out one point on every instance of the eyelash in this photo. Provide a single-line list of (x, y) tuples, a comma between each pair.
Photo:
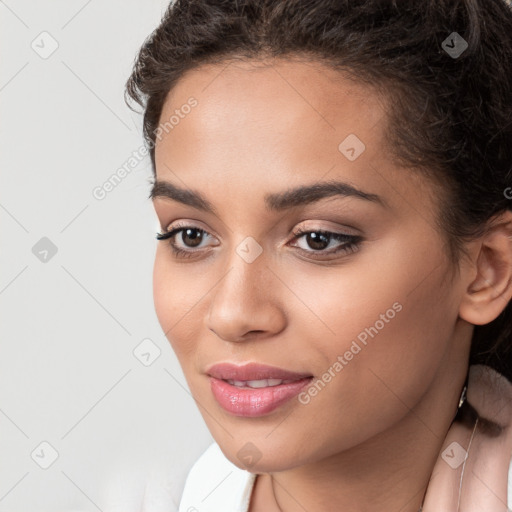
[(350, 246)]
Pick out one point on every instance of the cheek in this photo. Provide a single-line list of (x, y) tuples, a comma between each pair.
[(178, 296), (164, 291), (392, 309), (393, 301), (390, 330)]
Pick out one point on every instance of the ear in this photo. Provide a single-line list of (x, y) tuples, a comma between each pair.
[(489, 288)]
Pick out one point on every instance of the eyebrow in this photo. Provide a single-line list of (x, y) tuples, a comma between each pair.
[(288, 199)]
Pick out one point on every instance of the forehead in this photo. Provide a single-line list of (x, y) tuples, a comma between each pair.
[(275, 90), (267, 107), (261, 126), (274, 78)]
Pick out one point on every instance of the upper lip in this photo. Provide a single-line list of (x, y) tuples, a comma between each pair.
[(252, 371)]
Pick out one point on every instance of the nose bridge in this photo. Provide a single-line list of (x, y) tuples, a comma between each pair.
[(243, 300), (247, 272), (243, 285)]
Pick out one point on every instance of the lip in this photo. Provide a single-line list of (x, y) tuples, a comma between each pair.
[(252, 371), (253, 402)]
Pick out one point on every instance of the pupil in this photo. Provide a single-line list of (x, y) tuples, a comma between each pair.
[(196, 239), (317, 240)]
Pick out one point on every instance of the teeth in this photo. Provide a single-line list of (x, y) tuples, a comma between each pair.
[(258, 383), (263, 383)]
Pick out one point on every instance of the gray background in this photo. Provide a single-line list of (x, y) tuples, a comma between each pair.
[(126, 434), (125, 429)]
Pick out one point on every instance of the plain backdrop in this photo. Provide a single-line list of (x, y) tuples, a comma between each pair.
[(76, 273), (94, 410)]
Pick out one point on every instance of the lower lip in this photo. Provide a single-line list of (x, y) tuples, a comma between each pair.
[(252, 402)]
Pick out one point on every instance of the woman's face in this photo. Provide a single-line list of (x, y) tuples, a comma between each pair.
[(362, 314)]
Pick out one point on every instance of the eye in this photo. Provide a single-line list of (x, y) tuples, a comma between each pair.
[(183, 238), (320, 243), (187, 240)]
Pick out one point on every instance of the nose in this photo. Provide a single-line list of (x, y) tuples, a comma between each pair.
[(245, 304)]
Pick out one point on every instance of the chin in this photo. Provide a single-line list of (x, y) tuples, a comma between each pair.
[(259, 455)]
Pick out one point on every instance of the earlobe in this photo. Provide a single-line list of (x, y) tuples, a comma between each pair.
[(490, 288)]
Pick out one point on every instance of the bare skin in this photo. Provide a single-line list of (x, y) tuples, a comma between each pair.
[(369, 439)]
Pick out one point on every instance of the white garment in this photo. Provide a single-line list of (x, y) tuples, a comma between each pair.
[(214, 484)]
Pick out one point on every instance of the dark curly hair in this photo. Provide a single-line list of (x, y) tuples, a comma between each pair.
[(450, 115)]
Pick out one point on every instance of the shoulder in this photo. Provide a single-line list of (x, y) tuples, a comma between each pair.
[(473, 468), (214, 483)]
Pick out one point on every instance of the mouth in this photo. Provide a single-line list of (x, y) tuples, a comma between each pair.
[(256, 384), (254, 390)]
